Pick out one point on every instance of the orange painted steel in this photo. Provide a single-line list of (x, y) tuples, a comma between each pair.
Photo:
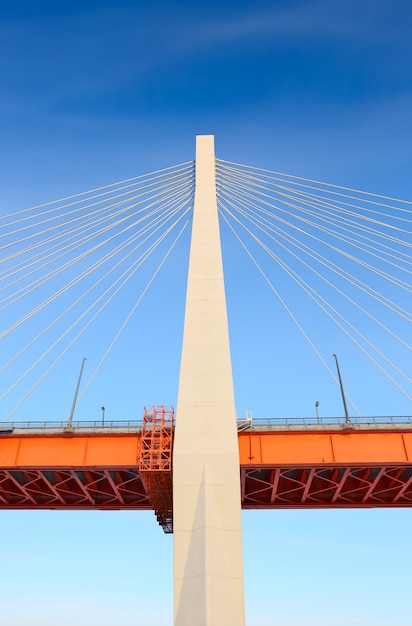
[(70, 450), (279, 469), (71, 471), (326, 469), (155, 462), (157, 439), (320, 447)]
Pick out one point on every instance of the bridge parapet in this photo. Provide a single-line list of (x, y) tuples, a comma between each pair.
[(397, 422), (48, 427), (271, 423)]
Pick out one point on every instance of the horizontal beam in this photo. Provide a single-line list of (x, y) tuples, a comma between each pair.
[(317, 448), (255, 448), (278, 470), (350, 469), (62, 450)]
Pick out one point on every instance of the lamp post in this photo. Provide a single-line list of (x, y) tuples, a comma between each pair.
[(69, 425), (342, 391)]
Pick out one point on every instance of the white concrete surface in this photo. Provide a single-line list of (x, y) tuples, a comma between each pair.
[(206, 485)]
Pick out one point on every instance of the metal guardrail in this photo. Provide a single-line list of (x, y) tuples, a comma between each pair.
[(48, 425), (329, 421), (243, 424)]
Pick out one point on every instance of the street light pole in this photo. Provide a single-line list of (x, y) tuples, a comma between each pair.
[(75, 395), (342, 391)]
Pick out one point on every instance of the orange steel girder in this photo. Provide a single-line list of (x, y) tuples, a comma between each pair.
[(296, 469), (70, 471), (326, 469)]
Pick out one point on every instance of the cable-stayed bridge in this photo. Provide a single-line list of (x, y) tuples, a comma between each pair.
[(67, 264)]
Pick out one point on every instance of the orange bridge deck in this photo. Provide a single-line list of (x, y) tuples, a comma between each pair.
[(321, 469), (281, 466)]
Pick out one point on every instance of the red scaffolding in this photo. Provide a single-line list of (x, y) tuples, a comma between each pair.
[(155, 462)]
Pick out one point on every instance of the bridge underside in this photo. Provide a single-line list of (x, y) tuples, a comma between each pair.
[(326, 487), (263, 487), (277, 469), (73, 488)]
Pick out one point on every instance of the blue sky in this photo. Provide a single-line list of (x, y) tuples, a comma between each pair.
[(96, 92)]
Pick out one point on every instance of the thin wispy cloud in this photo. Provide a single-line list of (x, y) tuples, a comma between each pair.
[(344, 19), (103, 53)]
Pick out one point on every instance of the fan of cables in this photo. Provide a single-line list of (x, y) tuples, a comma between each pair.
[(346, 251), (64, 262)]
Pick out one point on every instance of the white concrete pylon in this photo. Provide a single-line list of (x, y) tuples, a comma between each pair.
[(208, 561)]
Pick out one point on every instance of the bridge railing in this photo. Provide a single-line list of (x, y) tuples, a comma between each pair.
[(85, 425), (270, 423)]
